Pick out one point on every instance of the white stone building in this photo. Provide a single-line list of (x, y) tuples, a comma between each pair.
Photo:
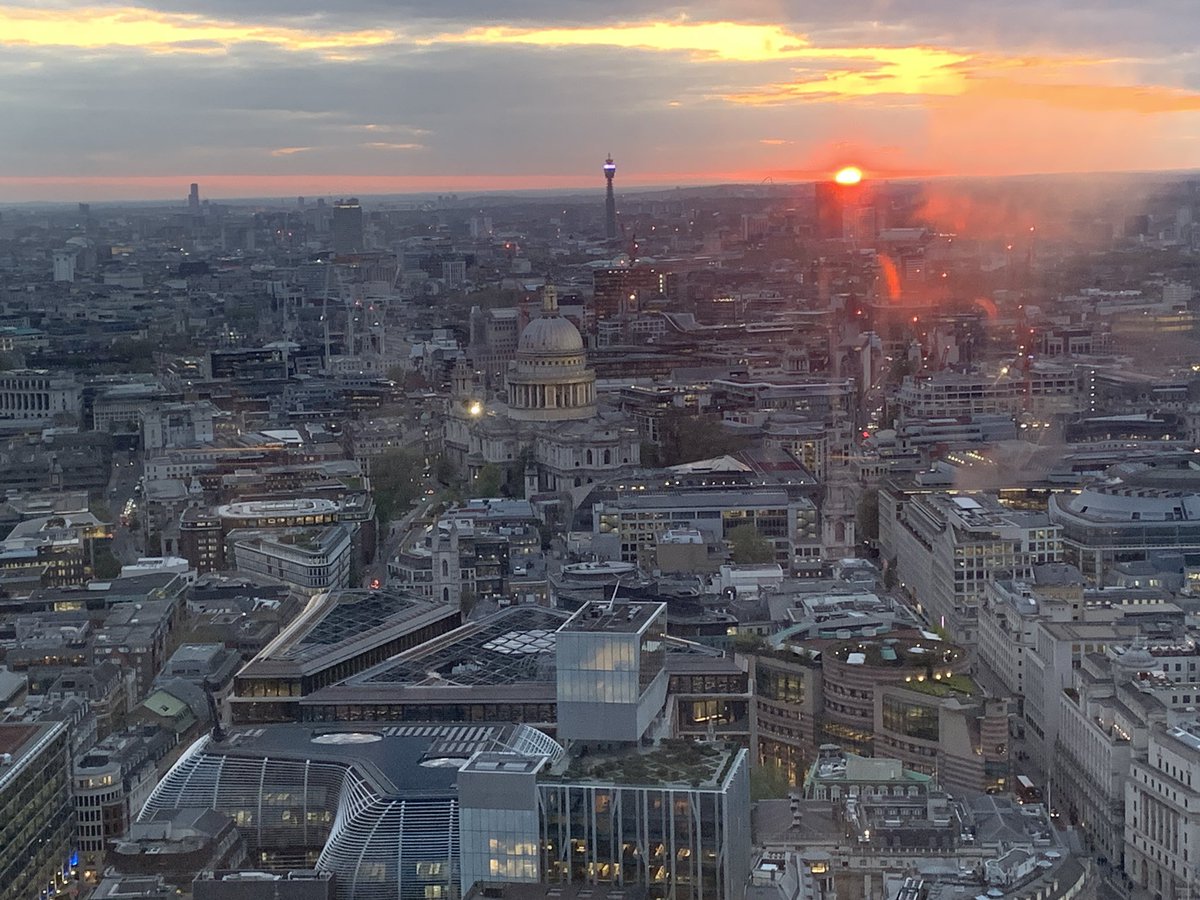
[(946, 547), (309, 560), (547, 434), (37, 395)]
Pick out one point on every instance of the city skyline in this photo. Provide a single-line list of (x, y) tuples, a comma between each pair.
[(108, 101)]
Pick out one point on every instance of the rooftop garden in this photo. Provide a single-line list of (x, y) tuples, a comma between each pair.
[(914, 653), (670, 762), (944, 686)]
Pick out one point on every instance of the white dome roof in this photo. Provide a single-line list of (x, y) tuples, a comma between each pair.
[(550, 335)]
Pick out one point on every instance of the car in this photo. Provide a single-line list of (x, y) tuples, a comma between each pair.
[(376, 584)]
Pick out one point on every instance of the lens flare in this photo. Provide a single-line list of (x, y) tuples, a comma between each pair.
[(848, 175)]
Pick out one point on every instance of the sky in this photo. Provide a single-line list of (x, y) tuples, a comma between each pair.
[(271, 98)]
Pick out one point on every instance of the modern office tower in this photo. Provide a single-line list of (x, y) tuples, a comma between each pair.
[(669, 818), (37, 820), (1128, 519), (309, 560), (64, 264), (629, 527), (498, 819), (610, 200), (339, 634), (347, 227), (194, 197), (611, 680), (670, 821), (410, 810)]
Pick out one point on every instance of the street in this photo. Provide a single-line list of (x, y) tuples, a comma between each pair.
[(390, 542), (126, 543)]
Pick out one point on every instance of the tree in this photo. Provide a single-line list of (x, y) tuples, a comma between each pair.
[(867, 516), (107, 564), (749, 546), (769, 781), (396, 480), (889, 575), (687, 438), (488, 482)]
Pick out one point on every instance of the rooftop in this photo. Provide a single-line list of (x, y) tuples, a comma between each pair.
[(513, 646), (671, 762), (338, 624), (21, 742), (400, 759), (621, 617), (298, 507)]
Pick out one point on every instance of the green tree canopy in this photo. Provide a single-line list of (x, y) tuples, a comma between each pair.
[(687, 438), (749, 546), (396, 481), (488, 482), (107, 564)]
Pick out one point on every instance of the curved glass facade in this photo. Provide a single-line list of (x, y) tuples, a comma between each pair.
[(328, 802)]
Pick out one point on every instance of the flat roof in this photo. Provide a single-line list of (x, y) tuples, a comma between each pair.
[(339, 624), (700, 765), (510, 763), (513, 646), (400, 759), (751, 496), (620, 616)]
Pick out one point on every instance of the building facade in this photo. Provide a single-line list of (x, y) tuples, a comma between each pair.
[(946, 547), (308, 560), (37, 820), (36, 395)]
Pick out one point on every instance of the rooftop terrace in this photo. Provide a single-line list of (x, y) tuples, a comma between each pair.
[(671, 762)]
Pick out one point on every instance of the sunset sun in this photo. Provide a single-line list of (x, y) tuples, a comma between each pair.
[(848, 175)]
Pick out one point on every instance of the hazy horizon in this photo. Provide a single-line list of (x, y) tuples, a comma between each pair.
[(107, 99), (85, 193)]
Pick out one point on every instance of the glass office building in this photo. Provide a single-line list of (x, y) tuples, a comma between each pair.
[(610, 677)]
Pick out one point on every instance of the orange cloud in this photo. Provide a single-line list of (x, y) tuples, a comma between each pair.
[(717, 40), (158, 32), (387, 145), (1144, 99)]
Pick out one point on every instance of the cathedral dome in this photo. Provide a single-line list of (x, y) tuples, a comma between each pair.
[(549, 381), (550, 334)]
